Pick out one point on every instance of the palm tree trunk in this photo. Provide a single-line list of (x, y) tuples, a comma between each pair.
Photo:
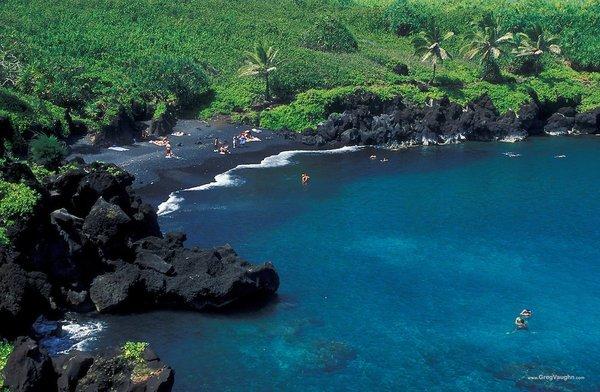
[(267, 87)]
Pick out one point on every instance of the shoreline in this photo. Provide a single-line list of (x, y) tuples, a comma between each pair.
[(196, 163)]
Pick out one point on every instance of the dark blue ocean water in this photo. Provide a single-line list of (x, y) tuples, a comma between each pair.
[(404, 275)]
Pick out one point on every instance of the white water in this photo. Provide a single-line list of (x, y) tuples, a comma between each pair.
[(73, 335), (228, 179)]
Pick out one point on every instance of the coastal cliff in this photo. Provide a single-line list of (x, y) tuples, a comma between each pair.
[(92, 245), (365, 119)]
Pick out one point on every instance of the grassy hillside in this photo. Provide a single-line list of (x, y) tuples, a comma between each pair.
[(94, 57)]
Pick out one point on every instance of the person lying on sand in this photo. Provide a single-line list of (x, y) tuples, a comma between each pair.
[(304, 178), (162, 142), (223, 150), (249, 137)]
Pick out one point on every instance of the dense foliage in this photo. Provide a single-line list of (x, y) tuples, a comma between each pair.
[(5, 350), (329, 34), (47, 151), (96, 57), (16, 202)]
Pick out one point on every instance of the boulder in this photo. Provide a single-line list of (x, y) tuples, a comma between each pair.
[(70, 368), (29, 369), (116, 291), (108, 182), (559, 124), (148, 260), (25, 295), (531, 118), (107, 227), (588, 122)]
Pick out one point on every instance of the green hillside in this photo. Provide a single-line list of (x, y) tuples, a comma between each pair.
[(96, 57)]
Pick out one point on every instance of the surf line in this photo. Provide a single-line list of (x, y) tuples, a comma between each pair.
[(227, 179)]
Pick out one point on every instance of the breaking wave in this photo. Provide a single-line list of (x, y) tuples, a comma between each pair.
[(228, 179)]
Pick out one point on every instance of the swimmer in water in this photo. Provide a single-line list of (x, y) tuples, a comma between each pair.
[(304, 178), (526, 313), (520, 323), (373, 157), (384, 160)]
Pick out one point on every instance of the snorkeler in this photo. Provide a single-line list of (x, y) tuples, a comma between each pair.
[(525, 313), (520, 323), (304, 178)]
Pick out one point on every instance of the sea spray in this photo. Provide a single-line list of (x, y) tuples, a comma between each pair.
[(227, 179)]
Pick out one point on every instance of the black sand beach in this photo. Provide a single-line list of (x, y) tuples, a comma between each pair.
[(195, 161)]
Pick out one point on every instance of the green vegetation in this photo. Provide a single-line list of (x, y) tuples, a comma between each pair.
[(428, 46), (47, 151), (261, 62), (486, 43), (5, 350), (16, 202), (329, 34), (96, 59), (133, 353)]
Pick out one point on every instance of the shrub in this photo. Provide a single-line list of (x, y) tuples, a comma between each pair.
[(329, 34), (47, 151), (5, 350), (133, 351), (17, 201)]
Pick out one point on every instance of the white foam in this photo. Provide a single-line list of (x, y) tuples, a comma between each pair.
[(511, 154), (560, 156), (74, 335), (170, 205), (115, 148), (228, 179)]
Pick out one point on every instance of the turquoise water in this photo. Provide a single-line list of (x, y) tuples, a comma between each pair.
[(404, 275)]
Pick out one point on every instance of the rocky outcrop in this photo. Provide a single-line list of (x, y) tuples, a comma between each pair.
[(367, 120), (122, 129), (94, 245), (30, 369)]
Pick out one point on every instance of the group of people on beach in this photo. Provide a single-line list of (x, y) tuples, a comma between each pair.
[(237, 141), (243, 138)]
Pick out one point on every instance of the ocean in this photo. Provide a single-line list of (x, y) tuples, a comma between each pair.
[(404, 275)]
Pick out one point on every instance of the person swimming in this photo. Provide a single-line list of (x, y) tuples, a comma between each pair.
[(520, 323), (373, 157), (526, 313), (304, 178)]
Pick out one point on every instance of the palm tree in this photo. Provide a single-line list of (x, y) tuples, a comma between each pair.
[(428, 46), (487, 43), (535, 43), (260, 62)]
